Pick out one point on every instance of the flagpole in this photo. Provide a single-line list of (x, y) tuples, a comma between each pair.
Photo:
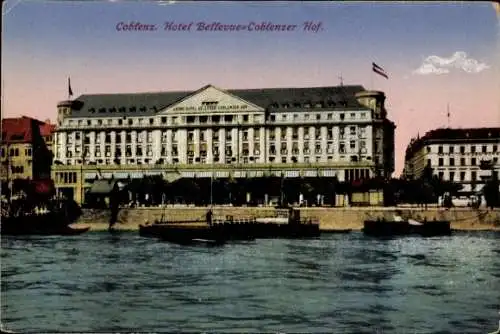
[(448, 113), (371, 80)]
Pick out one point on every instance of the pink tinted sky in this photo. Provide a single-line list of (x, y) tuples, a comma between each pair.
[(44, 43)]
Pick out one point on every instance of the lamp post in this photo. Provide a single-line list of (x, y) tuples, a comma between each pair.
[(82, 179)]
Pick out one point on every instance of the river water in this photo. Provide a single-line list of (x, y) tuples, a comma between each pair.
[(343, 283)]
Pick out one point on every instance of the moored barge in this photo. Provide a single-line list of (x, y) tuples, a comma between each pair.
[(401, 227)]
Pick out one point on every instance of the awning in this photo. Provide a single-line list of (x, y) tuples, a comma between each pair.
[(102, 187), (172, 177)]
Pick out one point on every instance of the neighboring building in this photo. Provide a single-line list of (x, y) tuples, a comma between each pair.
[(25, 149), (455, 155), (337, 132)]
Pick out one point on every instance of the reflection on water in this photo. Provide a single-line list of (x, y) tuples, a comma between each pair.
[(338, 283)]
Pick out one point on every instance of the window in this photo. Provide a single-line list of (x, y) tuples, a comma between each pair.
[(451, 149), (473, 161), (462, 176), (473, 149), (440, 149), (342, 117), (473, 176), (428, 149), (495, 148), (352, 144), (441, 175), (452, 162), (462, 149), (283, 133), (462, 162), (452, 176), (483, 148), (440, 162)]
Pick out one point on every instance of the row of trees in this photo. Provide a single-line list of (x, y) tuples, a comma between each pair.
[(154, 190)]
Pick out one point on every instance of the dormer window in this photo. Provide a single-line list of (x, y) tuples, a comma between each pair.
[(307, 105), (142, 109), (102, 110), (132, 109), (296, 105), (112, 109), (285, 105), (318, 105), (92, 110), (122, 109), (331, 104)]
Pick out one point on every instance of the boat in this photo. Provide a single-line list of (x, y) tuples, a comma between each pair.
[(184, 232), (35, 213), (229, 228), (287, 223), (338, 231), (402, 227), (43, 224)]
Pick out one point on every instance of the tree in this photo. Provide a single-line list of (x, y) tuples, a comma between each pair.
[(491, 192)]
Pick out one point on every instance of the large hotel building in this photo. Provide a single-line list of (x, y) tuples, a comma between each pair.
[(466, 156), (340, 132)]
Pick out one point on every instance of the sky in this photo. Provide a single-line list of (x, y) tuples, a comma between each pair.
[(438, 56)]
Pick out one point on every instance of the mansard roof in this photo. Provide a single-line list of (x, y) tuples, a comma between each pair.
[(453, 136), (148, 104)]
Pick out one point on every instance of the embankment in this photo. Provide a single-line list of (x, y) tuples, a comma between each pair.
[(329, 218)]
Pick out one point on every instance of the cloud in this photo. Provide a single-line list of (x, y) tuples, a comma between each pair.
[(438, 65)]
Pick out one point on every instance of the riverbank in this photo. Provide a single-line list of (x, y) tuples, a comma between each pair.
[(330, 219)]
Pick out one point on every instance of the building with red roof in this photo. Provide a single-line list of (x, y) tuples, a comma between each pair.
[(26, 149)]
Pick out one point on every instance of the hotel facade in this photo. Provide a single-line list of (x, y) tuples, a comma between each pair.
[(466, 156), (340, 132)]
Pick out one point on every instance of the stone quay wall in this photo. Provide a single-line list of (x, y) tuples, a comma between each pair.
[(330, 219)]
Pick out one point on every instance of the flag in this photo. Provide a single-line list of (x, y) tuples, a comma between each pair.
[(70, 91), (379, 70)]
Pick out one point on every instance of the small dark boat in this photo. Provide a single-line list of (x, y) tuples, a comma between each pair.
[(338, 231), (400, 227), (40, 224), (35, 212), (184, 234)]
